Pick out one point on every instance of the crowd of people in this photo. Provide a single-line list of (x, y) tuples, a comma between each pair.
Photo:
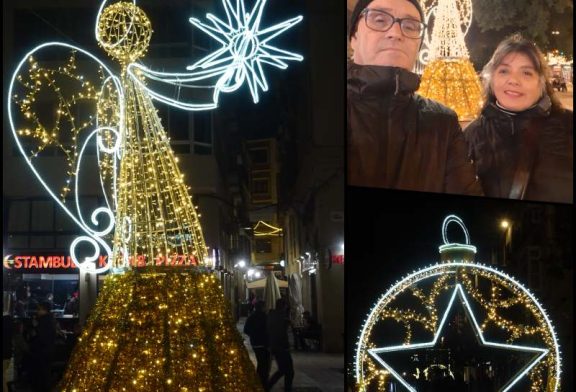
[(37, 347)]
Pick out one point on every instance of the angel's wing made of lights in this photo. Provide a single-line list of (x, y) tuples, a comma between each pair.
[(56, 109)]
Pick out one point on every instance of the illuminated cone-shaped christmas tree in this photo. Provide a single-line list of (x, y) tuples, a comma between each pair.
[(155, 327), (450, 77)]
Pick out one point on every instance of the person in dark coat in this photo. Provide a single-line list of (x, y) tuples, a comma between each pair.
[(255, 328), (42, 349), (7, 347), (396, 138), (522, 142), (277, 327)]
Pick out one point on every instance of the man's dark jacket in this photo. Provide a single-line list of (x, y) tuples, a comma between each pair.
[(43, 344), (277, 326), (255, 327), (496, 139), (398, 139)]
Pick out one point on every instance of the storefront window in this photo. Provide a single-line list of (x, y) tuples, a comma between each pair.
[(60, 290)]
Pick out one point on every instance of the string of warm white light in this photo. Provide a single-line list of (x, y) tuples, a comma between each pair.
[(447, 38), (272, 230), (459, 12), (93, 236), (461, 278), (449, 76)]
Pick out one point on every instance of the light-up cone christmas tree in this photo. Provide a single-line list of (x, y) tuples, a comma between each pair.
[(154, 328), (449, 76), (161, 322)]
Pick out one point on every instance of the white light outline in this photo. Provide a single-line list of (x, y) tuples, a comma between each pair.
[(459, 290), (449, 219), (244, 49), (431, 271), (116, 150), (445, 247), (93, 236)]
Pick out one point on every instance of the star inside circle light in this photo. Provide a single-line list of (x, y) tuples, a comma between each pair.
[(539, 353), (466, 279), (245, 47)]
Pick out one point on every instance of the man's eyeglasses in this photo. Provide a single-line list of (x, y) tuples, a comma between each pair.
[(382, 21)]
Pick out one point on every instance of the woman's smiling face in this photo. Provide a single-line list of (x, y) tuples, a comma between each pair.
[(516, 83)]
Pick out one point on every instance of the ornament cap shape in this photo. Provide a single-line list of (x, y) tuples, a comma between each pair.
[(453, 251)]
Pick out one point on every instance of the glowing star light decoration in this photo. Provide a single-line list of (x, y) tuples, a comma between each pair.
[(148, 209), (246, 47), (411, 318)]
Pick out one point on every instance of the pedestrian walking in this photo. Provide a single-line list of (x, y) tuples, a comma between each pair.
[(42, 349), (277, 326), (255, 328), (7, 348)]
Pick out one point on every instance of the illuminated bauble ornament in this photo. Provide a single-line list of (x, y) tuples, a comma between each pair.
[(445, 320), (124, 31), (454, 83)]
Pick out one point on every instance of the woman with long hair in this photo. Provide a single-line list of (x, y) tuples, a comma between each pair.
[(522, 142)]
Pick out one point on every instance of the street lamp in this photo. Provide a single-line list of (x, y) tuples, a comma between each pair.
[(506, 225)]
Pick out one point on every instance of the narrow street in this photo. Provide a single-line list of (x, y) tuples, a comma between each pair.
[(314, 371)]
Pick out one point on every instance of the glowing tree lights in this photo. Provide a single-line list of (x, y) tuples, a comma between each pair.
[(408, 333), (447, 36), (449, 76), (430, 7), (155, 327)]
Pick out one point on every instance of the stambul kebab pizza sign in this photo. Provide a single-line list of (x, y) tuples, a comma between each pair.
[(37, 262)]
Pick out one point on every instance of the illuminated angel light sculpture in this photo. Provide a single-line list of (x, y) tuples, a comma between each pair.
[(154, 327), (146, 197), (411, 318)]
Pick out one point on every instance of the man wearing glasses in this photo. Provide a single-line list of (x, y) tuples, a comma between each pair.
[(396, 138)]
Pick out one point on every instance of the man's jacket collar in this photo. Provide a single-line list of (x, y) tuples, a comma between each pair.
[(374, 80)]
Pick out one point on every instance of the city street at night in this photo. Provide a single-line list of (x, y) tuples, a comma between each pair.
[(314, 371)]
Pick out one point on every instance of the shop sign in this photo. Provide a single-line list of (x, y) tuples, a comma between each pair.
[(36, 262), (40, 262)]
